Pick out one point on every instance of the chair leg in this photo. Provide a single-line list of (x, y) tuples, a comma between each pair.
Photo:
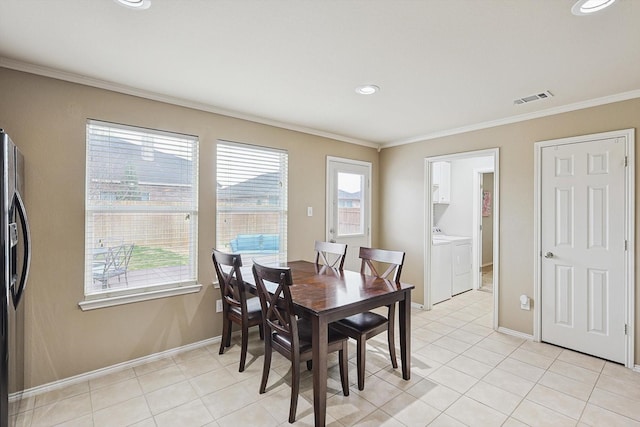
[(362, 352), (266, 366), (228, 333), (245, 344), (344, 368), (309, 365), (223, 338), (391, 336), (295, 388), (261, 329)]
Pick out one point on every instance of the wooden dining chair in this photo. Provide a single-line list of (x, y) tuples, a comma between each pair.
[(287, 334), (236, 307), (366, 325), (330, 254)]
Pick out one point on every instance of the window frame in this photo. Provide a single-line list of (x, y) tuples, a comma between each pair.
[(159, 289), (269, 205)]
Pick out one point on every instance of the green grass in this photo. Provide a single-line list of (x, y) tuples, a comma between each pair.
[(145, 257)]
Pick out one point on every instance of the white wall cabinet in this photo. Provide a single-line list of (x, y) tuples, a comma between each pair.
[(441, 180)]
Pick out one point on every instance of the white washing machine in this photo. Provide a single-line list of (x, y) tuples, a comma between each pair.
[(441, 270), (461, 260)]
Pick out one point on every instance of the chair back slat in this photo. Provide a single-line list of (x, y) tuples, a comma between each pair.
[(111, 262), (393, 260), (230, 278), (275, 297), (330, 254), (121, 256)]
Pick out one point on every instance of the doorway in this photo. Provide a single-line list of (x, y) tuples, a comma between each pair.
[(454, 217), (584, 235), (349, 206), (483, 226)]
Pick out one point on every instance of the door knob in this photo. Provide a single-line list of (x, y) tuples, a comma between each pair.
[(548, 255)]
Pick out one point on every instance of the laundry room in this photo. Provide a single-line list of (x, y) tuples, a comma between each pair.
[(462, 226)]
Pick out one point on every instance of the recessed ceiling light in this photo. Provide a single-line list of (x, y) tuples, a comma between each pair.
[(367, 89), (135, 4), (587, 7)]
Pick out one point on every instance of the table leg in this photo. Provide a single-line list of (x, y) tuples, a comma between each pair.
[(404, 315), (319, 337)]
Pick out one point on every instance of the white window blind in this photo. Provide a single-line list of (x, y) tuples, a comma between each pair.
[(252, 202), (141, 210)]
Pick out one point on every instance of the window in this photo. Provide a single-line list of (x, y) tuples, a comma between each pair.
[(350, 214), (252, 202), (141, 211)]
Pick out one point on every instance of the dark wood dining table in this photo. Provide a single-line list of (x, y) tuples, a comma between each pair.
[(324, 295)]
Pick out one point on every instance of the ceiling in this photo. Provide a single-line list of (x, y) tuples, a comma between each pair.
[(443, 66)]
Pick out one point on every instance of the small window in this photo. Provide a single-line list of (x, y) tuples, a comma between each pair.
[(252, 202), (350, 198), (141, 210)]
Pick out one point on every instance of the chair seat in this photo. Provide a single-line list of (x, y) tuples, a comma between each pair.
[(254, 309), (304, 333), (363, 321)]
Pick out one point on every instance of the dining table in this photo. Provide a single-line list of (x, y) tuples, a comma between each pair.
[(323, 295)]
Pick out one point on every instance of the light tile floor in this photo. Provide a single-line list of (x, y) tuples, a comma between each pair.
[(487, 278), (463, 374)]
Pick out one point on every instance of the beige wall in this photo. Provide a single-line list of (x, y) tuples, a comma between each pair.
[(46, 118), (402, 181)]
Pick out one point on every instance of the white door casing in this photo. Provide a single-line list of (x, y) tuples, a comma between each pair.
[(349, 206), (583, 233)]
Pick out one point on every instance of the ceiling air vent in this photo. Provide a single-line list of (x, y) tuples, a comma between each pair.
[(543, 95)]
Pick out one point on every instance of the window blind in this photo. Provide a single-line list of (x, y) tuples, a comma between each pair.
[(141, 209), (252, 202)]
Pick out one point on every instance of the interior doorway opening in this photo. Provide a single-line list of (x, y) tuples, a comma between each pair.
[(461, 222)]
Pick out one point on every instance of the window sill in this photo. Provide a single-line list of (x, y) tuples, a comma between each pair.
[(92, 304)]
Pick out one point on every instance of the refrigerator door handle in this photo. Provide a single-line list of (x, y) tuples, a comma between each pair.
[(17, 294)]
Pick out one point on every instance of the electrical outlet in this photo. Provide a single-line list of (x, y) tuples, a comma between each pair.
[(218, 306)]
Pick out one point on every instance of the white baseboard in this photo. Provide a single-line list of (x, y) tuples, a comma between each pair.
[(636, 368), (55, 385), (515, 333), (416, 305)]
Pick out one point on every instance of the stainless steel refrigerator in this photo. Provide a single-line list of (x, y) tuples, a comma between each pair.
[(15, 259)]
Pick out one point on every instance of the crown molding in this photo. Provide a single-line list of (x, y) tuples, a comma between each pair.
[(625, 96), (129, 90)]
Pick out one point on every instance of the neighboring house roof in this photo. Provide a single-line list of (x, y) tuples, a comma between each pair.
[(258, 187), (263, 186), (346, 195), (146, 165)]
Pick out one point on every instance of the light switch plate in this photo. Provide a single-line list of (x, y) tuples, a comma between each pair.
[(309, 211), (218, 306)]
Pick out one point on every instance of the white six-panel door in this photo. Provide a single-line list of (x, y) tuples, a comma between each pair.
[(582, 231)]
